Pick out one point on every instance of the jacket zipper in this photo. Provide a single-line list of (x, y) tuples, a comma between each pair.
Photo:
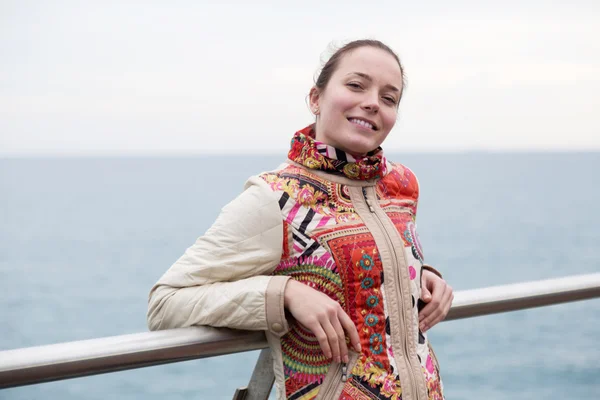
[(406, 356), (339, 369)]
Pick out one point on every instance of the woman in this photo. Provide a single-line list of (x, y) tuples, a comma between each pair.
[(322, 253)]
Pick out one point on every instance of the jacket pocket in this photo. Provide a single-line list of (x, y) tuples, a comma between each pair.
[(336, 377)]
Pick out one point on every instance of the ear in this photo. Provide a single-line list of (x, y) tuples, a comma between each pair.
[(313, 100)]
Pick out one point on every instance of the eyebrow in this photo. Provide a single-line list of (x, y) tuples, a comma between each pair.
[(367, 77)]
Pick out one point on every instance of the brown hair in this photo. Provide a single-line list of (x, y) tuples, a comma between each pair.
[(333, 62)]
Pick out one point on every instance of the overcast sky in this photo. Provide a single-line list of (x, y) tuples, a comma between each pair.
[(181, 77)]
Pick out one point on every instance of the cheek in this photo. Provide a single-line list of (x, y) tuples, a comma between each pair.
[(341, 101), (389, 119)]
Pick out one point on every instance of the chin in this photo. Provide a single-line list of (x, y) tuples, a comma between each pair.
[(362, 142), (360, 147)]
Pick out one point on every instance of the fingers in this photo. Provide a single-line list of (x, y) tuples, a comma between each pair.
[(437, 287), (325, 318), (332, 340), (335, 324), (438, 308), (350, 329), (434, 316), (340, 340), (341, 325), (425, 294), (323, 339), (329, 326), (449, 301)]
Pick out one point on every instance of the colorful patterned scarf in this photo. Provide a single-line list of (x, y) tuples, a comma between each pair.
[(307, 151)]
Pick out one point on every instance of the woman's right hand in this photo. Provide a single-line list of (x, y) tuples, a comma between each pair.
[(322, 316)]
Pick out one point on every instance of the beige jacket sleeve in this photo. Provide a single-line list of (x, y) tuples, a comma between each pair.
[(222, 280)]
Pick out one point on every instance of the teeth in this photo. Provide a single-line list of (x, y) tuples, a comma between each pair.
[(361, 122)]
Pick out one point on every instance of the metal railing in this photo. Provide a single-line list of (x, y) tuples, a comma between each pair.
[(117, 353)]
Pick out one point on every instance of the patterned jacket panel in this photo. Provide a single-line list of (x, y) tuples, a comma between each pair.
[(328, 247)]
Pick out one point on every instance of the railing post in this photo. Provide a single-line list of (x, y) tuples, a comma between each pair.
[(261, 381)]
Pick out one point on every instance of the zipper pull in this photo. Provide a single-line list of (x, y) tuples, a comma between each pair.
[(344, 372), (364, 190)]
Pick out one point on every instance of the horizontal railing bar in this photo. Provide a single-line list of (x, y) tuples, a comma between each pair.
[(523, 295), (116, 353)]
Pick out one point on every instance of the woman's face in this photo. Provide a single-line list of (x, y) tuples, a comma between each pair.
[(358, 107)]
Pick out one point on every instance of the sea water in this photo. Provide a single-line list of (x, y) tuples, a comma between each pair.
[(82, 240)]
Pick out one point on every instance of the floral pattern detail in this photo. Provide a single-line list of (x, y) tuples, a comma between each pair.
[(369, 380), (434, 384), (371, 320), (323, 197), (309, 196), (305, 193), (372, 301), (366, 262), (376, 340), (312, 154), (367, 283)]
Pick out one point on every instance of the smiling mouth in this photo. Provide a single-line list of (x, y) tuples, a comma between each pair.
[(363, 123)]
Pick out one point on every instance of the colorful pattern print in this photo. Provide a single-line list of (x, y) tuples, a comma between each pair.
[(435, 388), (369, 381), (328, 247), (307, 151), (354, 250)]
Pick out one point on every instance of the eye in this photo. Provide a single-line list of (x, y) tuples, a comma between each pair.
[(354, 85), (390, 100)]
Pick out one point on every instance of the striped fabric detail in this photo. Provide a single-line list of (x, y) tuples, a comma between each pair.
[(333, 153), (303, 218)]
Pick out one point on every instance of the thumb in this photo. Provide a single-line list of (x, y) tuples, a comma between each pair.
[(425, 294)]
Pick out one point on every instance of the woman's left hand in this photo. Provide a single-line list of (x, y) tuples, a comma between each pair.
[(438, 296)]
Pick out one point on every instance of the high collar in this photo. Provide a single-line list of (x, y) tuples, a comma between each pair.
[(316, 155)]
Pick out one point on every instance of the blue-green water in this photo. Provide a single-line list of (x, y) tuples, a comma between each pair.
[(83, 240)]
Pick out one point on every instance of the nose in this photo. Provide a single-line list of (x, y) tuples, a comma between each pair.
[(371, 103)]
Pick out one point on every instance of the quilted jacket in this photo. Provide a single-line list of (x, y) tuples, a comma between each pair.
[(355, 241)]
